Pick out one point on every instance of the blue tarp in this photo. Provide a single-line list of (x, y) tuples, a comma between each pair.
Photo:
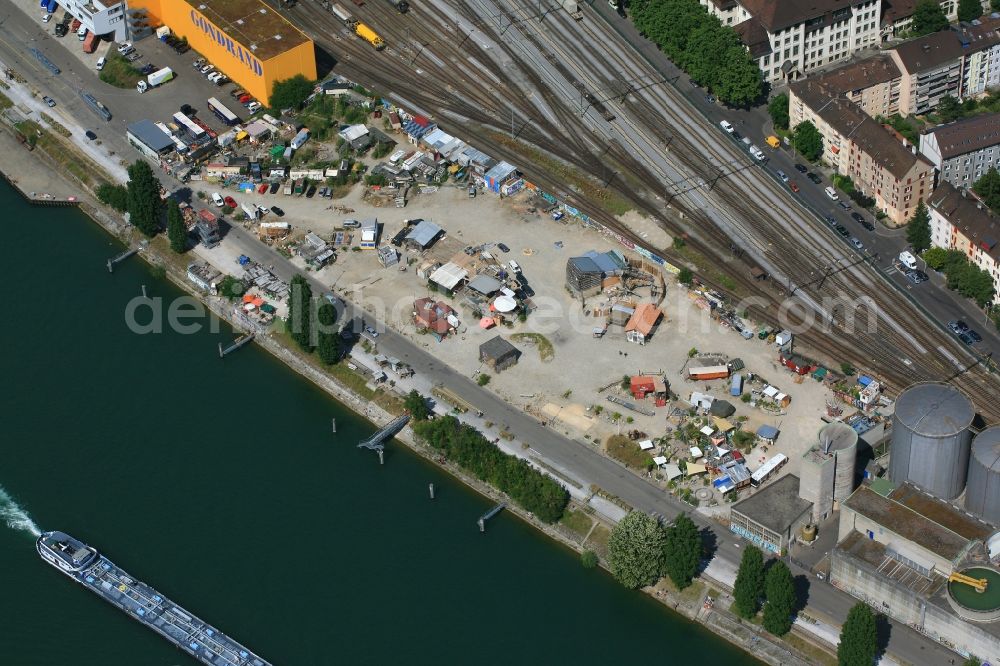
[(767, 432), (865, 380)]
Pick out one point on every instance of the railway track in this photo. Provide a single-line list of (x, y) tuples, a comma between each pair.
[(436, 55)]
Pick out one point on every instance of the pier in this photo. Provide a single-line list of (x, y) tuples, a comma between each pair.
[(236, 344), (489, 514), (377, 441), (120, 258)]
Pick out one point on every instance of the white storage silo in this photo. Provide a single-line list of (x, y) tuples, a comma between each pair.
[(982, 495)]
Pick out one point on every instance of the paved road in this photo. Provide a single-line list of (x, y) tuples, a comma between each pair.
[(886, 244), (576, 460)]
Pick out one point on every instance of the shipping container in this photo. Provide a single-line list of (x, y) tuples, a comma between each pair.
[(90, 43), (221, 112), (709, 372)]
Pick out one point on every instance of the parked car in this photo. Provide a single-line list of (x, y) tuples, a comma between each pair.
[(222, 80), (814, 178), (844, 204), (213, 76), (832, 193), (277, 211), (125, 48), (206, 69), (726, 125), (231, 202), (737, 136), (132, 57), (187, 110), (90, 135), (801, 168), (46, 18), (253, 107), (842, 230), (503, 247), (239, 92), (958, 326), (198, 64), (831, 220), (218, 200), (275, 186), (351, 224), (371, 331), (857, 217), (782, 176), (916, 276), (793, 185), (868, 225), (263, 188), (974, 335), (148, 68), (857, 243), (966, 338), (311, 192), (48, 100)]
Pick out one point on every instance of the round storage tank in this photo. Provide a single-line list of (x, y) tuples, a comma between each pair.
[(982, 496), (930, 438), (840, 441)]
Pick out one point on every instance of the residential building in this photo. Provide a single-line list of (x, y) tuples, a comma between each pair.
[(880, 162), (961, 62), (788, 39), (438, 318), (871, 83), (897, 16), (960, 221), (963, 151)]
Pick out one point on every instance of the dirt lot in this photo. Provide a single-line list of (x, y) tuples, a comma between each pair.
[(566, 389)]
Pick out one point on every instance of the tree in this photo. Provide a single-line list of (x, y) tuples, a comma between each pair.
[(918, 231), (685, 276), (749, 585), (589, 559), (949, 109), (928, 17), (416, 405), (115, 196), (144, 201), (973, 660), (684, 550), (176, 229), (327, 339), (291, 93), (988, 188), (636, 550), (808, 141), (300, 312), (935, 258), (858, 638), (778, 108), (780, 590), (969, 10)]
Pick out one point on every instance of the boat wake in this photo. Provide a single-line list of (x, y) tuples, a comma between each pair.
[(16, 517)]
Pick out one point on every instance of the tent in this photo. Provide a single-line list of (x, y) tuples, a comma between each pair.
[(722, 408), (695, 468)]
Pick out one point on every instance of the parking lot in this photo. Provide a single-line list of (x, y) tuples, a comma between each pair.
[(188, 86)]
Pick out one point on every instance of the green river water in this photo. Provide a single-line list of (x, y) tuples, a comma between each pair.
[(220, 484)]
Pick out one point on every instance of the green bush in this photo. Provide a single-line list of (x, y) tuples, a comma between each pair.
[(526, 486)]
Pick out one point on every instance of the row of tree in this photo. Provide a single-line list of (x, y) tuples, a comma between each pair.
[(140, 198), (302, 308), (463, 444), (697, 42), (773, 587), (963, 276), (642, 550)]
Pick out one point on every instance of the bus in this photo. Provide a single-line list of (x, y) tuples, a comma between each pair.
[(189, 125), (223, 114)]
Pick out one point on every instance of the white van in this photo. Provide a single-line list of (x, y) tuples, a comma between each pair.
[(832, 193), (101, 62), (908, 260), (513, 266), (757, 153), (82, 33)]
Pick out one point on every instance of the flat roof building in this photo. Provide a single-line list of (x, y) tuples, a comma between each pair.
[(149, 139), (423, 235), (770, 517), (247, 39), (498, 354)]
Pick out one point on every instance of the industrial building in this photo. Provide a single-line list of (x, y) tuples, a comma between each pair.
[(246, 39), (931, 439), (149, 139), (982, 495), (770, 517), (828, 469), (916, 558), (585, 275)]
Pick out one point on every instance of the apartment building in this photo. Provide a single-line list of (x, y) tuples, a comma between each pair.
[(793, 37), (961, 62), (964, 150), (873, 84), (897, 15), (879, 161), (960, 221)]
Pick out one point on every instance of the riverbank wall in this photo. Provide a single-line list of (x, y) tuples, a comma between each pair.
[(42, 175)]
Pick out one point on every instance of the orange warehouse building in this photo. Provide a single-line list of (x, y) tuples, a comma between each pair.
[(247, 40)]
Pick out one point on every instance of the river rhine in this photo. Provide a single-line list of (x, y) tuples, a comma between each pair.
[(220, 484)]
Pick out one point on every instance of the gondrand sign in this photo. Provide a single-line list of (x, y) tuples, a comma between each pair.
[(223, 40)]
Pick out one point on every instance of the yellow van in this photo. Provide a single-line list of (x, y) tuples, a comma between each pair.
[(772, 141)]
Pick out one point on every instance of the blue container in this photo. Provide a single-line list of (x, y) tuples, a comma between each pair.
[(736, 387)]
